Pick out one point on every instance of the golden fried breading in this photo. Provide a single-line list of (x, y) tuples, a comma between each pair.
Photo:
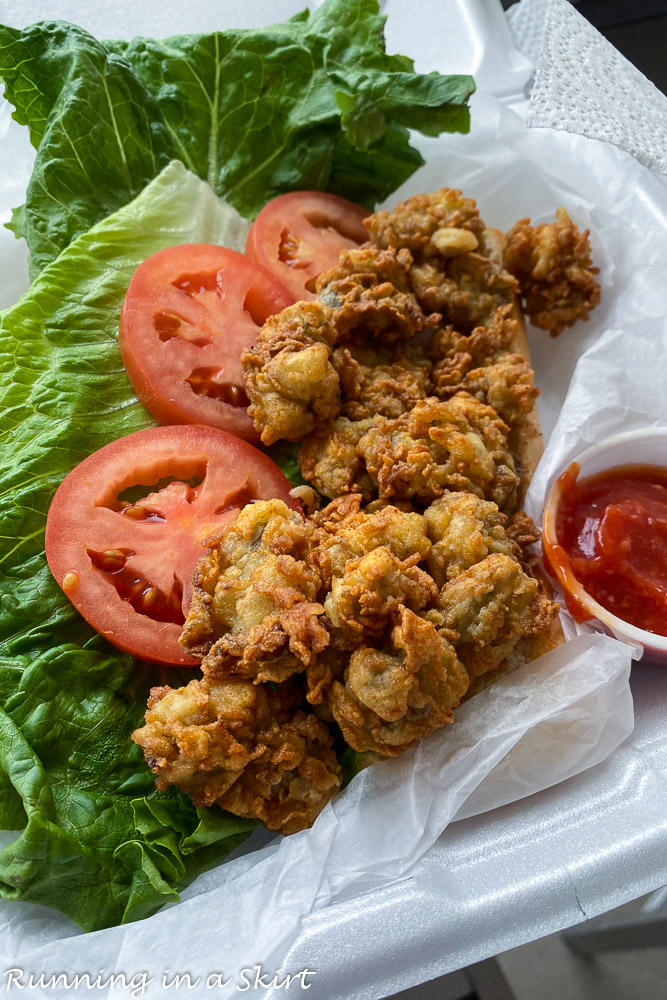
[(364, 268), (329, 460), (483, 344), (247, 748), (457, 444), (521, 530), (523, 534), (457, 270), (451, 368), (490, 607), (321, 672), (363, 600), (254, 611), (375, 552), (390, 698), (343, 532), (441, 224), (194, 735), (467, 290), (288, 374), (290, 786), (554, 269), (506, 384), (291, 379), (381, 390), (370, 298), (481, 365), (309, 498), (464, 530)]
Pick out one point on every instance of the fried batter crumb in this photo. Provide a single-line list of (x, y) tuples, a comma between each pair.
[(309, 498)]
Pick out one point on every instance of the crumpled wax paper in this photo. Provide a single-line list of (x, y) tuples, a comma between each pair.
[(549, 720), (559, 714)]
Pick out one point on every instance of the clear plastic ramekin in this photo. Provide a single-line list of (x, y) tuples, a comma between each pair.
[(647, 446)]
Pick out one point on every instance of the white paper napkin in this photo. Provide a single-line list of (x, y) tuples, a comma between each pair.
[(584, 85)]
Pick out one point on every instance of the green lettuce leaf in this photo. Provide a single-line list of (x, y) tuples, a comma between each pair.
[(286, 456), (99, 842), (64, 391), (314, 103), (16, 224)]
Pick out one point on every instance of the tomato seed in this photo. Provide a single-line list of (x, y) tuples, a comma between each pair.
[(203, 382), (292, 251), (113, 560), (135, 511), (235, 395), (70, 581), (149, 596)]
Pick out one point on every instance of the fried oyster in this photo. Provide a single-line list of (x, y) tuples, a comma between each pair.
[(289, 377), (464, 530), (292, 377), (254, 610), (455, 270), (490, 607), (437, 446), (369, 620), (390, 698), (245, 747), (555, 272), (456, 444)]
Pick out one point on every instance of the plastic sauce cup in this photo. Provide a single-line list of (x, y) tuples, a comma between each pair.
[(647, 446)]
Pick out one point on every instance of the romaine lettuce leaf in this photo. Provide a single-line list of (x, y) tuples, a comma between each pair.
[(314, 103), (99, 842)]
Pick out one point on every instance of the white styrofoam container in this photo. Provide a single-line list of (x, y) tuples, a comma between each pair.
[(497, 880)]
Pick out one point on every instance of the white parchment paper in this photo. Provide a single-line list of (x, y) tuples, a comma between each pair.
[(551, 720), (564, 711)]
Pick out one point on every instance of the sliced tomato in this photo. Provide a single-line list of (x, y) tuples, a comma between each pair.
[(298, 236), (126, 562), (189, 314)]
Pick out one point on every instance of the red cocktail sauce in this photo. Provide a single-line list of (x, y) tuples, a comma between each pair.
[(611, 532)]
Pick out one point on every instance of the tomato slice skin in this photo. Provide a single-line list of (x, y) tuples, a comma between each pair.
[(124, 565), (189, 313), (299, 235)]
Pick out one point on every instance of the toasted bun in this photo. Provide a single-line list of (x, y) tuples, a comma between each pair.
[(527, 443)]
